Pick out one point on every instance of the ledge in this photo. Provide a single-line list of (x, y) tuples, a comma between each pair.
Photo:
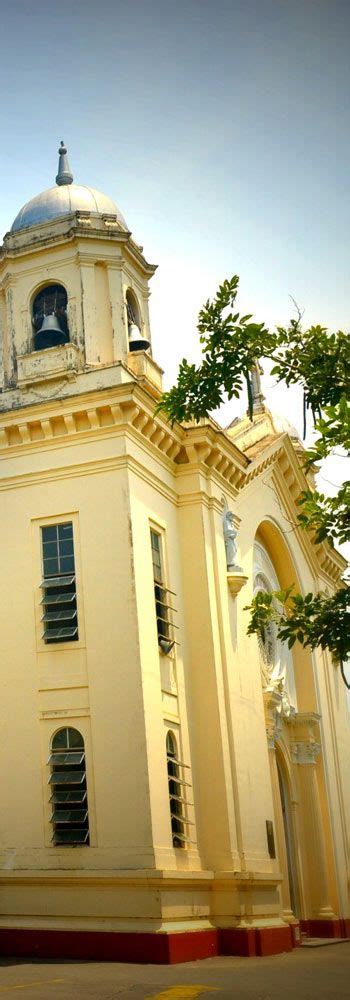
[(236, 580), (63, 361), (145, 368)]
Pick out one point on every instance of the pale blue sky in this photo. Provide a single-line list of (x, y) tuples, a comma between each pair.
[(221, 129)]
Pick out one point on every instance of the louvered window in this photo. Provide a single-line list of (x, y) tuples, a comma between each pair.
[(59, 598), (163, 598), (177, 794), (67, 780)]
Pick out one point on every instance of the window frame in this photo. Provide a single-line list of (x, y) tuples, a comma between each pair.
[(178, 798), (69, 806), (59, 588), (164, 611), (52, 520)]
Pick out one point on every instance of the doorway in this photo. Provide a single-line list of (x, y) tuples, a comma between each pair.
[(289, 842)]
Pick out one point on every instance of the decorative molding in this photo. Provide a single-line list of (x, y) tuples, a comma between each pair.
[(144, 879), (273, 716), (307, 746), (63, 713), (305, 752), (127, 407)]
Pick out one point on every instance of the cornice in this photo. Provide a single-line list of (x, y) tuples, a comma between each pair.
[(280, 458), (70, 258), (151, 878), (76, 226), (126, 408)]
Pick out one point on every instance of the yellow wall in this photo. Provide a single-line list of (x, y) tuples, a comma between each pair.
[(84, 444)]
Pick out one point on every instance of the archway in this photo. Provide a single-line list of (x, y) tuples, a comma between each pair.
[(270, 539)]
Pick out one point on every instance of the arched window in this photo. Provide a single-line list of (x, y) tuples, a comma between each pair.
[(267, 643), (49, 317), (70, 819), (137, 339), (177, 786)]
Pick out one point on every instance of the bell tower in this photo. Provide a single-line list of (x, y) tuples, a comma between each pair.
[(74, 289)]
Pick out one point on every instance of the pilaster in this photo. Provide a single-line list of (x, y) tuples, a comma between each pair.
[(120, 338), (305, 750), (89, 310)]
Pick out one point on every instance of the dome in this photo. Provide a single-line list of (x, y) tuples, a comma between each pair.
[(58, 201), (63, 199), (283, 426)]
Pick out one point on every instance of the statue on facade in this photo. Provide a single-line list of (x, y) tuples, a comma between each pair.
[(230, 535)]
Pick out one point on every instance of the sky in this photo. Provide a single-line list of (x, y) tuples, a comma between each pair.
[(221, 129)]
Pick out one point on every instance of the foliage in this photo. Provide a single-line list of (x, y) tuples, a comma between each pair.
[(312, 620), (328, 516), (319, 361)]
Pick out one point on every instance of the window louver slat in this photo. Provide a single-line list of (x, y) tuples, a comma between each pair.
[(182, 819), (78, 796), (75, 757), (179, 781), (57, 581), (69, 815), (67, 777), (59, 598), (70, 837), (59, 616), (60, 633), (179, 763)]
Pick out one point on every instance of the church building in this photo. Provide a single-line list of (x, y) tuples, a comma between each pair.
[(170, 788)]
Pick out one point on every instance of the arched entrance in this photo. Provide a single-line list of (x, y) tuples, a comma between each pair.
[(287, 850)]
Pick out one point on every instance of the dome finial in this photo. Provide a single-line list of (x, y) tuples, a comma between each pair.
[(64, 175)]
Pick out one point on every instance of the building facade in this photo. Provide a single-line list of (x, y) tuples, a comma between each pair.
[(170, 788)]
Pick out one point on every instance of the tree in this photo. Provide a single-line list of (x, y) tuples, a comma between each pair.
[(319, 361)]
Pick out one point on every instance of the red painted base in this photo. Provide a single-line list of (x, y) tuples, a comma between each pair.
[(254, 941), (326, 928), (158, 949)]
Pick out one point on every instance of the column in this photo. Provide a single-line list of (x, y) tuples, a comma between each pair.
[(305, 753)]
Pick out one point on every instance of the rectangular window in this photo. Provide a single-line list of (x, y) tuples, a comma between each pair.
[(162, 597), (59, 584)]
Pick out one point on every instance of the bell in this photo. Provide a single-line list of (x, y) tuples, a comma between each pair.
[(136, 341), (50, 333)]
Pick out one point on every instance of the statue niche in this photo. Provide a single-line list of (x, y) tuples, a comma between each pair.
[(276, 661), (230, 535)]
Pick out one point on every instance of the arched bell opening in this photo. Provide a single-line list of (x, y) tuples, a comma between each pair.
[(49, 317), (136, 338)]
